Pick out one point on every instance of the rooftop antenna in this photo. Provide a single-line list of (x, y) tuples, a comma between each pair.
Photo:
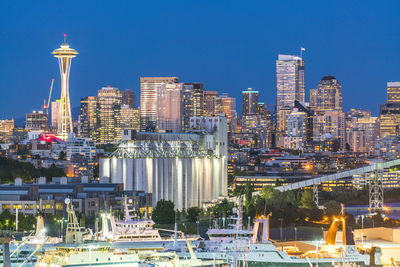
[(301, 51), (65, 38)]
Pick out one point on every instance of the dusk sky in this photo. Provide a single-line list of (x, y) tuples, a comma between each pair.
[(227, 45)]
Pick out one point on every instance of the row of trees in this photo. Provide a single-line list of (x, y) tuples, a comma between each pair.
[(11, 169)]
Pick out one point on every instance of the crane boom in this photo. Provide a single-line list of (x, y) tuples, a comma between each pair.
[(47, 107), (51, 90)]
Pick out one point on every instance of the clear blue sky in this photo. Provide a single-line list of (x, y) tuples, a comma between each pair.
[(228, 45)]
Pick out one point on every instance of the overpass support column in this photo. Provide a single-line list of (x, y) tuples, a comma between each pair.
[(376, 190), (315, 191)]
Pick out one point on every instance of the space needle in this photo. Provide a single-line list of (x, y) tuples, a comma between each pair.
[(64, 55)]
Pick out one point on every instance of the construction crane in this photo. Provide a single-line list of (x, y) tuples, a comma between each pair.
[(47, 106)]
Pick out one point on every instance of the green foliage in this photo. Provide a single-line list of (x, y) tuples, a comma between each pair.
[(192, 214), (51, 172), (62, 155), (11, 169), (222, 209), (307, 199), (332, 208), (164, 212), (26, 222), (7, 220)]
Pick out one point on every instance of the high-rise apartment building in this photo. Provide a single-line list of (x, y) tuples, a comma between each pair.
[(329, 94), (37, 121), (87, 117), (130, 118), (249, 101), (262, 110), (209, 103), (313, 99), (108, 115), (393, 93), (198, 97), (389, 119), (128, 98), (148, 99), (227, 105), (289, 86), (169, 107), (331, 123)]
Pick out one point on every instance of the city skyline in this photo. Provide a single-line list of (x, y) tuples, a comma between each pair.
[(235, 68)]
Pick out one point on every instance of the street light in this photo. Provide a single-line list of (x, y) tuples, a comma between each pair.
[(362, 230), (281, 220), (295, 234)]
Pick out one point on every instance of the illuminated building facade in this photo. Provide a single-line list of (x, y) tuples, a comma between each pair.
[(148, 99), (296, 130), (209, 103), (361, 130), (82, 146), (289, 85), (87, 117), (249, 101), (37, 121), (130, 118), (227, 105), (7, 126), (55, 114), (313, 99), (64, 55), (169, 107), (129, 98), (187, 168), (108, 115), (389, 119), (329, 94), (331, 123), (393, 93), (198, 97)]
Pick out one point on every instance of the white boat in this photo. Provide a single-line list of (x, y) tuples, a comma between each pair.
[(40, 234), (135, 229), (87, 256), (239, 247)]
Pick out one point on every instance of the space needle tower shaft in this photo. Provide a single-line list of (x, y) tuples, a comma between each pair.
[(64, 55)]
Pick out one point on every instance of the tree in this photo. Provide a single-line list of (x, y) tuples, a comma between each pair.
[(332, 208), (164, 212), (192, 214), (307, 199), (62, 155)]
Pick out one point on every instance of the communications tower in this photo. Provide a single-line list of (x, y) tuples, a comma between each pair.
[(64, 55)]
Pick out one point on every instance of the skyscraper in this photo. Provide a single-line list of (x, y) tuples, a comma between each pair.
[(128, 98), (393, 92), (249, 101), (169, 107), (227, 105), (108, 117), (65, 55), (148, 99), (289, 86), (209, 103), (198, 97), (130, 118), (329, 94), (87, 117)]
